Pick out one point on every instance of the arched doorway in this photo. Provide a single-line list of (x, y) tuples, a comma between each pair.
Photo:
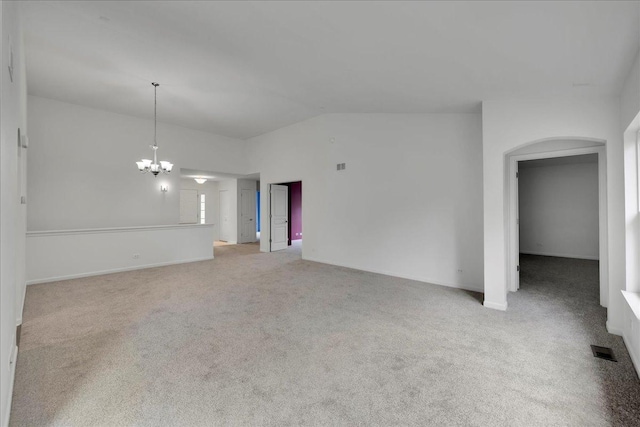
[(548, 149)]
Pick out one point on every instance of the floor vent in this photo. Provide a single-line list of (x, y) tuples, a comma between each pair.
[(603, 353)]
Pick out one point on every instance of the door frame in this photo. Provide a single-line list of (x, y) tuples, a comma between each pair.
[(513, 246)]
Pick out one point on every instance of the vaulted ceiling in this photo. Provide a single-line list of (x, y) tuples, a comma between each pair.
[(245, 68)]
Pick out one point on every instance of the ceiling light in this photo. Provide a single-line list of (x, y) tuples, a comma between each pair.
[(147, 165), (200, 180)]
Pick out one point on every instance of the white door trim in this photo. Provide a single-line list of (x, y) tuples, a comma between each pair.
[(513, 246)]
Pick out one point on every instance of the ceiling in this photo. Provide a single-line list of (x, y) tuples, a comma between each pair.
[(241, 69), (557, 161)]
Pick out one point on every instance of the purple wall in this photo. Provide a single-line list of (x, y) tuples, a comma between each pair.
[(295, 210)]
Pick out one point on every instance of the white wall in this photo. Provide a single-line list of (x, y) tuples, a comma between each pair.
[(422, 218), (559, 209), (212, 208), (12, 220), (508, 124), (83, 173), (231, 186), (61, 255)]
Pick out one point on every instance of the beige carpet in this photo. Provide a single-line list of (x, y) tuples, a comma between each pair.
[(268, 339)]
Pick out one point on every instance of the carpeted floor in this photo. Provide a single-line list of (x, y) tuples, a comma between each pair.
[(269, 339)]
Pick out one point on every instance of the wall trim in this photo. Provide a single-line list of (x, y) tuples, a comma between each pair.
[(479, 289), (495, 305), (12, 377), (115, 270), (589, 257), (113, 229)]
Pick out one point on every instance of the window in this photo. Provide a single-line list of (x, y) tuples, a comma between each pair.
[(202, 209)]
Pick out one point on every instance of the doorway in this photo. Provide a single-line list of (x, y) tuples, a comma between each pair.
[(558, 230), (286, 216), (601, 256), (248, 229)]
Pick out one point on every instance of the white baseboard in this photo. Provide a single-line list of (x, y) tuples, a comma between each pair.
[(502, 306), (12, 377), (401, 276), (593, 258), (613, 330), (114, 270)]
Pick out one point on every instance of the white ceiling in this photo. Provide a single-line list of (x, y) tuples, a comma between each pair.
[(245, 68)]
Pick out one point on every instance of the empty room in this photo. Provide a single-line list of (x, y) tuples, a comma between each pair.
[(320, 213)]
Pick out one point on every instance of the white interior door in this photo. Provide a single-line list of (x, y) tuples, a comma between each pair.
[(247, 216), (279, 217), (225, 213), (188, 206)]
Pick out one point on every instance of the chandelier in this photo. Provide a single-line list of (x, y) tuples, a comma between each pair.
[(154, 166)]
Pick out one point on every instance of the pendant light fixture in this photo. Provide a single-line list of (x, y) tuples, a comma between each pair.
[(147, 165), (200, 180)]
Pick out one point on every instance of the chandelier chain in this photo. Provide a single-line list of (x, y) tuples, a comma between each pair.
[(153, 166), (155, 114)]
